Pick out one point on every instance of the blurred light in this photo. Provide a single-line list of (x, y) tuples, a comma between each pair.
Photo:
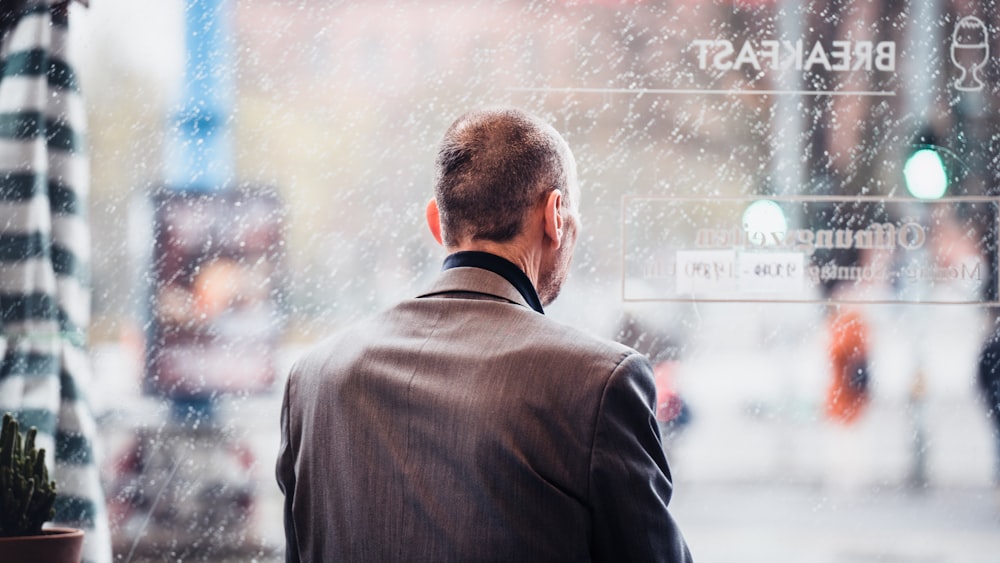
[(765, 216), (925, 174)]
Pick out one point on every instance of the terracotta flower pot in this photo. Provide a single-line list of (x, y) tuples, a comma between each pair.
[(55, 545)]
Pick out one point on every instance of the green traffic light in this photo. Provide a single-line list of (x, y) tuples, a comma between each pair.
[(925, 174)]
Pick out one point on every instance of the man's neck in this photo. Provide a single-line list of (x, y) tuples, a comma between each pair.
[(512, 252)]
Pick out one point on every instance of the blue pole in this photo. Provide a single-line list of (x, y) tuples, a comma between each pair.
[(199, 148)]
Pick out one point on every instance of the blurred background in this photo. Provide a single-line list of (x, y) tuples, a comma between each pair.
[(259, 170)]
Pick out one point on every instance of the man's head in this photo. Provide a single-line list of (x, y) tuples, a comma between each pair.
[(498, 170)]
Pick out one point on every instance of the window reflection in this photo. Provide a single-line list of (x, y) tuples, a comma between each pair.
[(338, 107)]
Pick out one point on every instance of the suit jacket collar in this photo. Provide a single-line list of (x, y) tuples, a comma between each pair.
[(500, 266), (466, 279)]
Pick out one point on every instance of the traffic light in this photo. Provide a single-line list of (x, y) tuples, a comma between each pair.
[(924, 171)]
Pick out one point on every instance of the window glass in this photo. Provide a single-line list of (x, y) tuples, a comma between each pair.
[(791, 207)]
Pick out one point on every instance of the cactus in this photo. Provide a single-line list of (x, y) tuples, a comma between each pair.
[(26, 494)]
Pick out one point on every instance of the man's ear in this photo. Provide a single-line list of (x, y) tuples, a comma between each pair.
[(553, 217), (434, 220)]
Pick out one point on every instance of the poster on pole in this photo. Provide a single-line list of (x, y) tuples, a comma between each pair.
[(215, 293)]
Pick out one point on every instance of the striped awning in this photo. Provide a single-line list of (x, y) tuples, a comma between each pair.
[(44, 259)]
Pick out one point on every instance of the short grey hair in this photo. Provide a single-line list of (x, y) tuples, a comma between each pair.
[(492, 167)]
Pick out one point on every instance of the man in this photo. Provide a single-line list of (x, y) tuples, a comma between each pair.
[(464, 425)]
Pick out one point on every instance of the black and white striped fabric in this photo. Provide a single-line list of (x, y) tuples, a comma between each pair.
[(44, 260)]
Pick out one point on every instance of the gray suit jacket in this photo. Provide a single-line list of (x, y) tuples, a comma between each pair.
[(463, 426)]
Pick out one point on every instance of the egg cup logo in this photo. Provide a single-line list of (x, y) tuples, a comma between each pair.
[(969, 52)]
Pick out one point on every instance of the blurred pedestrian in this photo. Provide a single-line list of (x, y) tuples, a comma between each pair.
[(989, 385), (672, 412), (464, 425), (848, 392)]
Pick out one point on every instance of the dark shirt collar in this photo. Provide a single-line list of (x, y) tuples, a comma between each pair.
[(499, 266)]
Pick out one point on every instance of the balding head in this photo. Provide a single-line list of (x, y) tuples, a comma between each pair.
[(493, 167)]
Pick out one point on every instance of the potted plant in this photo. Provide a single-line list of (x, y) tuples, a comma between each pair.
[(27, 498)]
